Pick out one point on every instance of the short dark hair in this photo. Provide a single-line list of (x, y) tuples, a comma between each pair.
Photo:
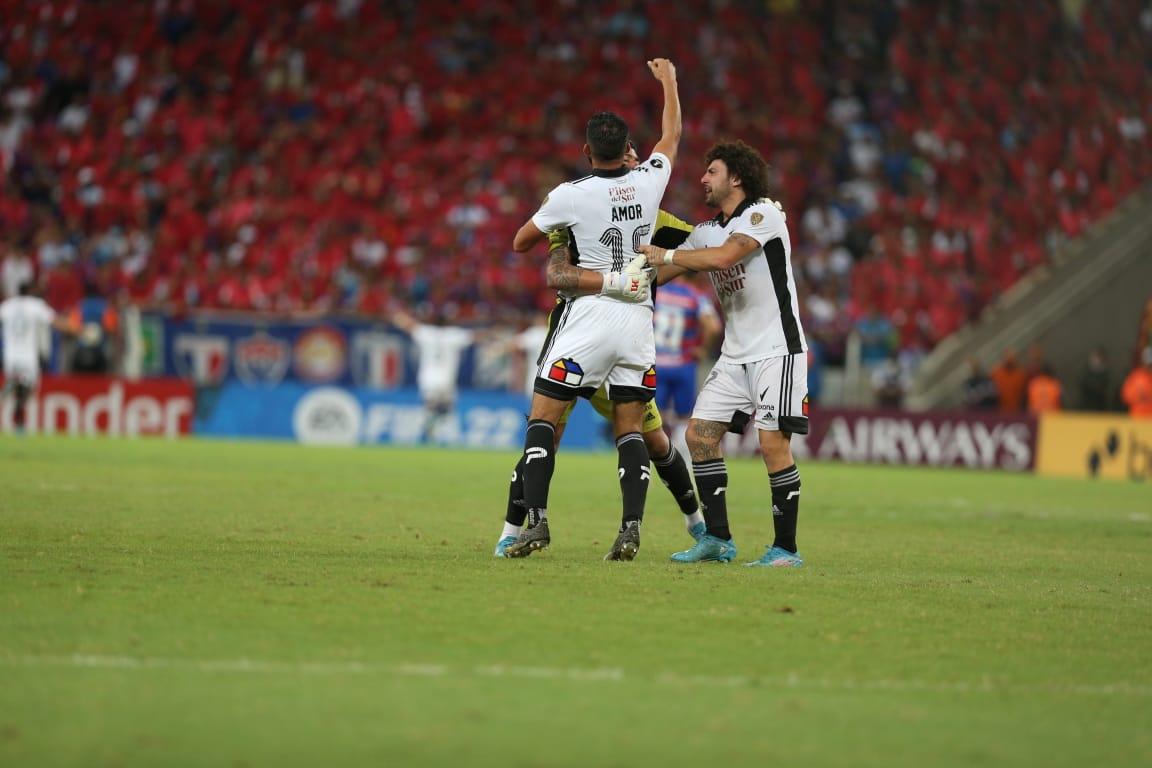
[(744, 163), (25, 288), (607, 135)]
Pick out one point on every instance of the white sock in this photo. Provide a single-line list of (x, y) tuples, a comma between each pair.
[(692, 519), (510, 530)]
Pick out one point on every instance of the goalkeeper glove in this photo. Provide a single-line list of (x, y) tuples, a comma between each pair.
[(631, 284)]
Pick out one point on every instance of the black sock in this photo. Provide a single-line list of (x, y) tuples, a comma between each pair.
[(785, 506), (634, 475), (712, 482), (20, 411), (673, 471), (538, 464), (517, 511)]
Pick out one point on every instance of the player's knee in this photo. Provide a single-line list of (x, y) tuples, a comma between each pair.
[(701, 441), (545, 408), (628, 417), (657, 442), (776, 449)]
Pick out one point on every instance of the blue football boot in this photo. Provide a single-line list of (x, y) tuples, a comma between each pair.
[(503, 544), (708, 548), (777, 557)]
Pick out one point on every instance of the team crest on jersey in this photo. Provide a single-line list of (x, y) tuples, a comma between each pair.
[(566, 371), (804, 406), (650, 378), (757, 217)]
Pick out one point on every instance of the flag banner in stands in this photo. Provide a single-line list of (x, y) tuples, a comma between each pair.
[(326, 415), (938, 439), (211, 349), (97, 405)]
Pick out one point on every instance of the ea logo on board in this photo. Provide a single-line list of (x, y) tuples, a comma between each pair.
[(327, 416), (320, 355)]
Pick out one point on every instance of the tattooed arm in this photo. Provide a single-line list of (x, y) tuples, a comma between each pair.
[(573, 280), (733, 251)]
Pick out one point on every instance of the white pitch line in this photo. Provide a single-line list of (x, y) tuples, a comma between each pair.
[(574, 674)]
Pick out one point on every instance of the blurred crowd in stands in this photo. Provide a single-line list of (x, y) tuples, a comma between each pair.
[(317, 156)]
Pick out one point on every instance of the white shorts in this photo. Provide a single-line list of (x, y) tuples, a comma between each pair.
[(17, 373), (593, 341), (444, 395), (774, 389)]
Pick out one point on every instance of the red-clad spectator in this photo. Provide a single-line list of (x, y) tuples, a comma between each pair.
[(924, 171)]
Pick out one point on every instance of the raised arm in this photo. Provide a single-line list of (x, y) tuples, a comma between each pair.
[(404, 321), (665, 72)]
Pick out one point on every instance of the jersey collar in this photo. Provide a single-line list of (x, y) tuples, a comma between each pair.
[(744, 205), (610, 173)]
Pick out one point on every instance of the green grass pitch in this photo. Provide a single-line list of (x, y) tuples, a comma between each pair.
[(246, 604)]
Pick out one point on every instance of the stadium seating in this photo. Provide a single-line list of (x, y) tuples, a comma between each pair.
[(339, 155)]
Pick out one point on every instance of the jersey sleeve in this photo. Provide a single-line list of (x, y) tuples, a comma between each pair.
[(659, 166), (463, 338), (555, 212), (762, 222), (558, 238), (691, 242), (46, 313)]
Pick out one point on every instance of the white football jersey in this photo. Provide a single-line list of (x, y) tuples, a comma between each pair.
[(440, 350), (610, 213), (758, 294), (23, 318)]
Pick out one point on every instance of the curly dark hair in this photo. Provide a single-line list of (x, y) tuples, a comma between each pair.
[(744, 163), (607, 135)]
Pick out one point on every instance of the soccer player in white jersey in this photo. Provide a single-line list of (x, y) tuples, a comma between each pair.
[(439, 348), (762, 372), (604, 338), (566, 276), (22, 318)]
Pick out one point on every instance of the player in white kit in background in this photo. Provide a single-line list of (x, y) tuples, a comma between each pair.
[(762, 373), (22, 320), (439, 348), (603, 338)]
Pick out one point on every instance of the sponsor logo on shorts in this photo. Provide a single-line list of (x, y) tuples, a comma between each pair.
[(566, 371), (650, 378)]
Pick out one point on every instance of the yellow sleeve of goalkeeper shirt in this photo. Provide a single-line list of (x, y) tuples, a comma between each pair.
[(670, 231), (558, 239)]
